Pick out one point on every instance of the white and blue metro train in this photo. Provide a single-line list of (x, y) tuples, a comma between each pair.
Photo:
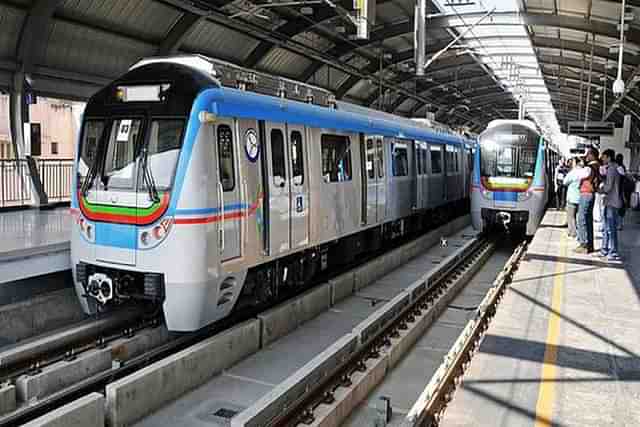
[(512, 177), (199, 182)]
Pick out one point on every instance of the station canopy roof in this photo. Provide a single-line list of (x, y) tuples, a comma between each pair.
[(559, 54)]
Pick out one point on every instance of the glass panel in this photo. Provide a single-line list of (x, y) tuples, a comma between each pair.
[(527, 163), (370, 159), (297, 162), (225, 158), (399, 159), (163, 151), (380, 158), (89, 145), (121, 153), (436, 159), (418, 160), (450, 161), (336, 158), (277, 158), (423, 152)]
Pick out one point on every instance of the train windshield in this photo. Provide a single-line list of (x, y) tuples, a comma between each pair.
[(126, 151), (509, 152)]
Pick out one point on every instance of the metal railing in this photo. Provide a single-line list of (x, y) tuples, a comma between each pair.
[(15, 183), (56, 177)]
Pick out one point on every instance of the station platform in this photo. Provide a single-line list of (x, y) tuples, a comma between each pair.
[(563, 348), (34, 243)]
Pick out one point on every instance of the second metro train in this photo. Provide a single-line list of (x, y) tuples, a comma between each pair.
[(512, 177), (191, 193)]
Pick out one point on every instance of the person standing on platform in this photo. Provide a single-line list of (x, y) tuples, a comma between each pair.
[(560, 172), (612, 204), (625, 185), (572, 182), (589, 179)]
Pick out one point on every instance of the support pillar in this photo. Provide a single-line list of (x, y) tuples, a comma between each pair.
[(26, 166)]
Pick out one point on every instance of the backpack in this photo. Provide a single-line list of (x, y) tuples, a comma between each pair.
[(627, 187)]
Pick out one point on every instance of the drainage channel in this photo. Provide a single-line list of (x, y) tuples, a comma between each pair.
[(337, 396), (35, 403)]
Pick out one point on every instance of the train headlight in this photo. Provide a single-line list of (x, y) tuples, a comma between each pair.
[(151, 237), (524, 196), (487, 194), (86, 229)]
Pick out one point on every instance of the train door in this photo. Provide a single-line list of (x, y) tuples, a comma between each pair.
[(229, 198), (381, 183), (371, 181), (298, 187), (279, 189)]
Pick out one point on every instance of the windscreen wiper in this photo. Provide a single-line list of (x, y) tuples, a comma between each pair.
[(147, 176), (93, 170)]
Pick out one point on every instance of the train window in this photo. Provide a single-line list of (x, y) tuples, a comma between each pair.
[(450, 159), (380, 158), (225, 158), (399, 159), (89, 146), (423, 152), (163, 150), (121, 149), (436, 159), (336, 158), (371, 154), (527, 163), (297, 159), (277, 158), (418, 159)]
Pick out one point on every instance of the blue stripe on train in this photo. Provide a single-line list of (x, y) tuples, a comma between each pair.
[(116, 235), (505, 196)]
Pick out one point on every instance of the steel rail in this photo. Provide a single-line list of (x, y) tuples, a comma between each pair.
[(430, 406), (302, 410)]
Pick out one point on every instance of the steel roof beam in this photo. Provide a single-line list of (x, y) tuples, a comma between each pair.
[(262, 34), (178, 33), (405, 27), (32, 42)]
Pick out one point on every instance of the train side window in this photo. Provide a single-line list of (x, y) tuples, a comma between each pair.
[(423, 152), (277, 158), (418, 159), (371, 155), (225, 158), (380, 158), (399, 159), (297, 159), (436, 159), (336, 158), (449, 161)]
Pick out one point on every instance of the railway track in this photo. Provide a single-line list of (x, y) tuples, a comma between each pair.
[(325, 404), (310, 407), (48, 351)]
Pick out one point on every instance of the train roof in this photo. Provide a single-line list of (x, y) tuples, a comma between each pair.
[(264, 97), (524, 123)]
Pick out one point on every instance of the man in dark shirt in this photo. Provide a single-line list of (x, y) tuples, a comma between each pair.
[(612, 204)]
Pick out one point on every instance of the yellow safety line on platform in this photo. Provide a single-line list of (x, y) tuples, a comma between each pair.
[(546, 395)]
